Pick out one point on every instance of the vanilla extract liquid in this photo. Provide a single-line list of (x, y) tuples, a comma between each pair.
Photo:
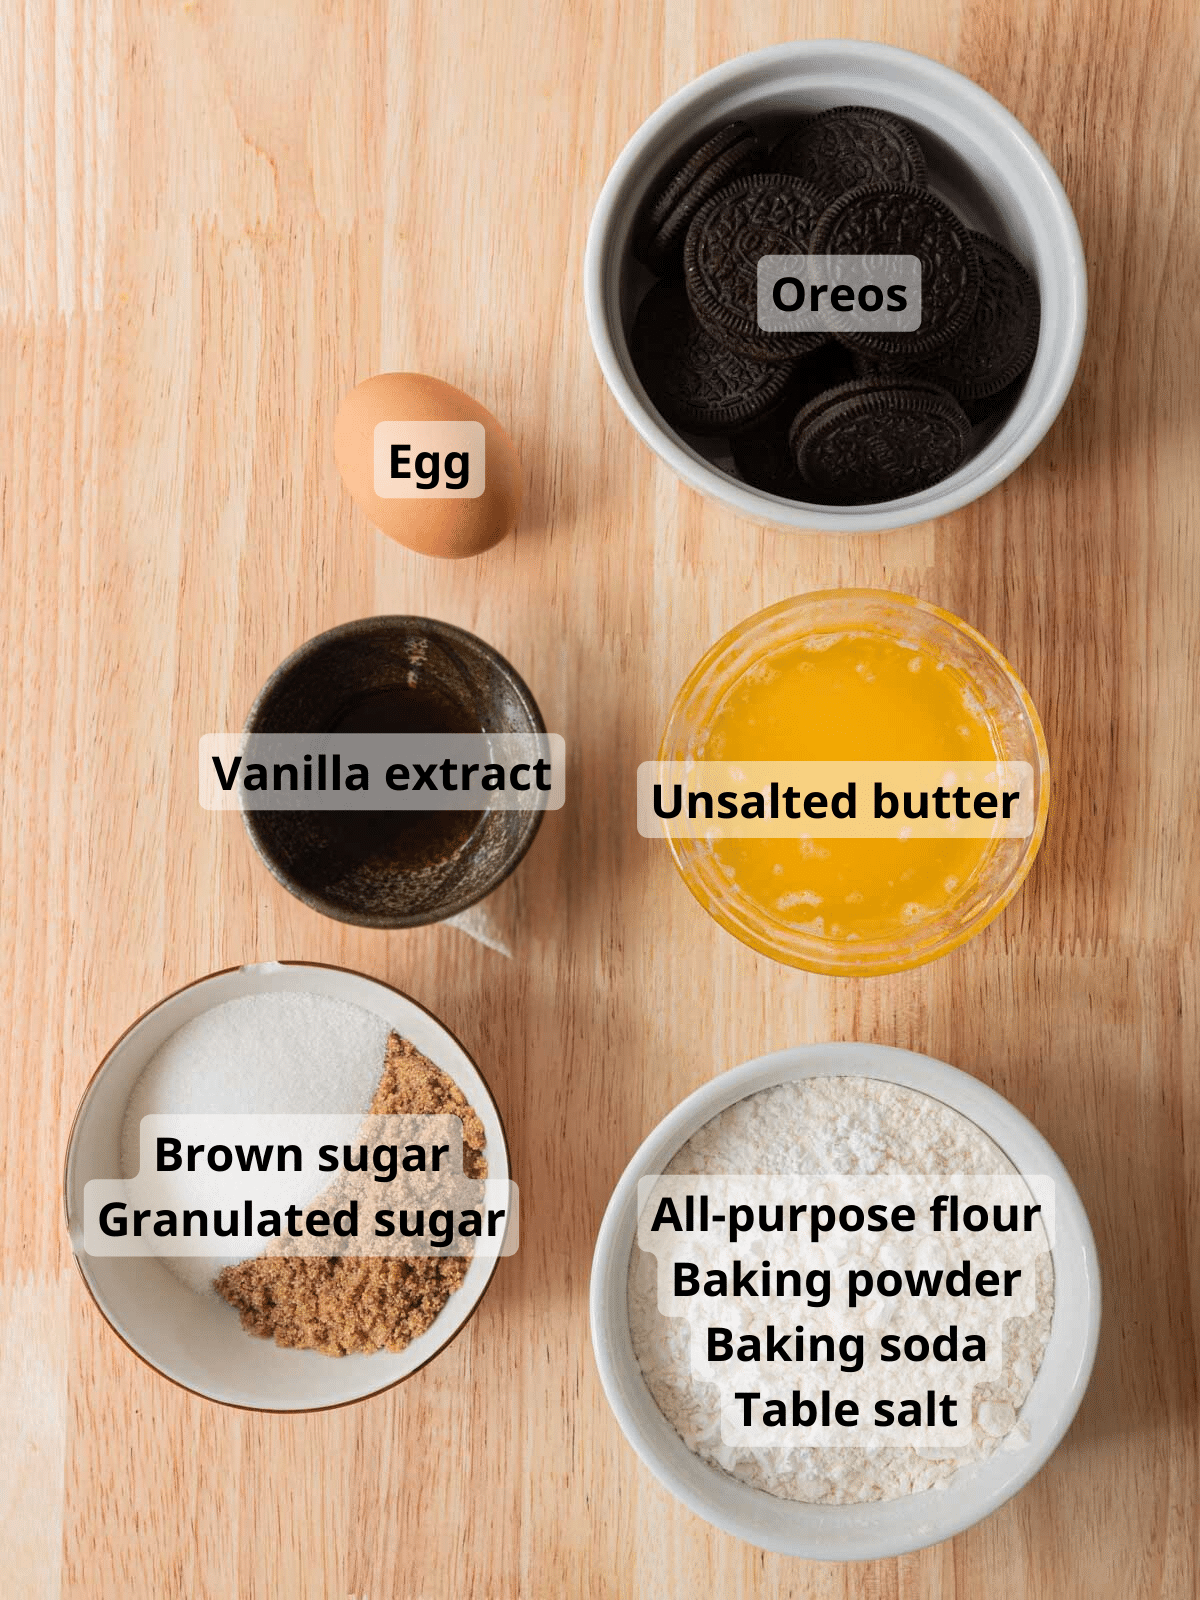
[(391, 837)]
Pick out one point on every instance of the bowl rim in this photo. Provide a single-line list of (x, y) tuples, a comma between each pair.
[(758, 505), (1033, 845), (970, 1097), (365, 626), (93, 1083)]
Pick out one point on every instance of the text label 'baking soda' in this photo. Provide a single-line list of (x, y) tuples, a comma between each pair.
[(839, 294), (429, 460), (835, 799), (382, 771), (852, 1309)]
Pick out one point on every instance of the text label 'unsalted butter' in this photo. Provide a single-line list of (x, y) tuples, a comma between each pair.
[(836, 799), (429, 460)]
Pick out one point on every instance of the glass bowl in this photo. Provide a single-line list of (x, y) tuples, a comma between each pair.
[(1016, 733)]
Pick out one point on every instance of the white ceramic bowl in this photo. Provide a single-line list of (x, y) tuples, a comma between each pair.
[(981, 160), (889, 1527), (197, 1341)]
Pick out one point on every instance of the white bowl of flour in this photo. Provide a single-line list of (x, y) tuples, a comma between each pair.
[(878, 1116)]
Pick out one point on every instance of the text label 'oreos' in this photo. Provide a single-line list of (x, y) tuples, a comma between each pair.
[(839, 294)]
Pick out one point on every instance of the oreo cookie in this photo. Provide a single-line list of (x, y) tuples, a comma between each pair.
[(999, 341), (887, 219), (763, 453), (850, 146), (660, 230), (698, 384), (853, 414), (874, 440), (769, 213)]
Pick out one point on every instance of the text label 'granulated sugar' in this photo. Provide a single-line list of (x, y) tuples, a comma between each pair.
[(388, 1186)]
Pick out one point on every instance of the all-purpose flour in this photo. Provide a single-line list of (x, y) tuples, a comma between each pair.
[(860, 1126)]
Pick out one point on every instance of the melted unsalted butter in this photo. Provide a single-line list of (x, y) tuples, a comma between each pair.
[(858, 696)]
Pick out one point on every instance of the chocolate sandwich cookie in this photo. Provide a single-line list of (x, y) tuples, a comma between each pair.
[(999, 341), (697, 384), (660, 229), (849, 146), (874, 440), (883, 219), (977, 411), (763, 453), (770, 213)]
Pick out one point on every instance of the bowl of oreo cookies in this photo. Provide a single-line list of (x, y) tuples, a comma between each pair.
[(851, 153)]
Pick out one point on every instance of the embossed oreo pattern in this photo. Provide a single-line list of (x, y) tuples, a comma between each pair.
[(878, 219), (767, 214), (695, 382), (669, 196), (848, 146), (660, 229), (1001, 338), (743, 158), (875, 415), (867, 441)]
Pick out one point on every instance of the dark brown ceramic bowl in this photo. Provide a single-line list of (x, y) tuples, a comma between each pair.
[(311, 692)]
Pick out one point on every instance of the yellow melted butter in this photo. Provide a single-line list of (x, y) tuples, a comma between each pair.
[(860, 696)]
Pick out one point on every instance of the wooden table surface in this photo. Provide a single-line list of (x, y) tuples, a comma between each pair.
[(215, 217)]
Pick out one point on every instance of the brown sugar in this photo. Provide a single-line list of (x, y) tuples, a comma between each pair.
[(344, 1305)]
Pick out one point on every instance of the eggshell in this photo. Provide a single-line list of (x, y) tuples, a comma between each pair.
[(435, 527)]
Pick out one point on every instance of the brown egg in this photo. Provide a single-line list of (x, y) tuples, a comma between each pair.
[(423, 520)]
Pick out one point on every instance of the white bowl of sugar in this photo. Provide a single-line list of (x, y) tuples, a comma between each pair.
[(243, 1041), (830, 1504)]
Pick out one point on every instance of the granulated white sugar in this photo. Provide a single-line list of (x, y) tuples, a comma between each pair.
[(825, 1126), (264, 1054)]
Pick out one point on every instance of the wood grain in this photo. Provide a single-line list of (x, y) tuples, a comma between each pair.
[(215, 216)]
